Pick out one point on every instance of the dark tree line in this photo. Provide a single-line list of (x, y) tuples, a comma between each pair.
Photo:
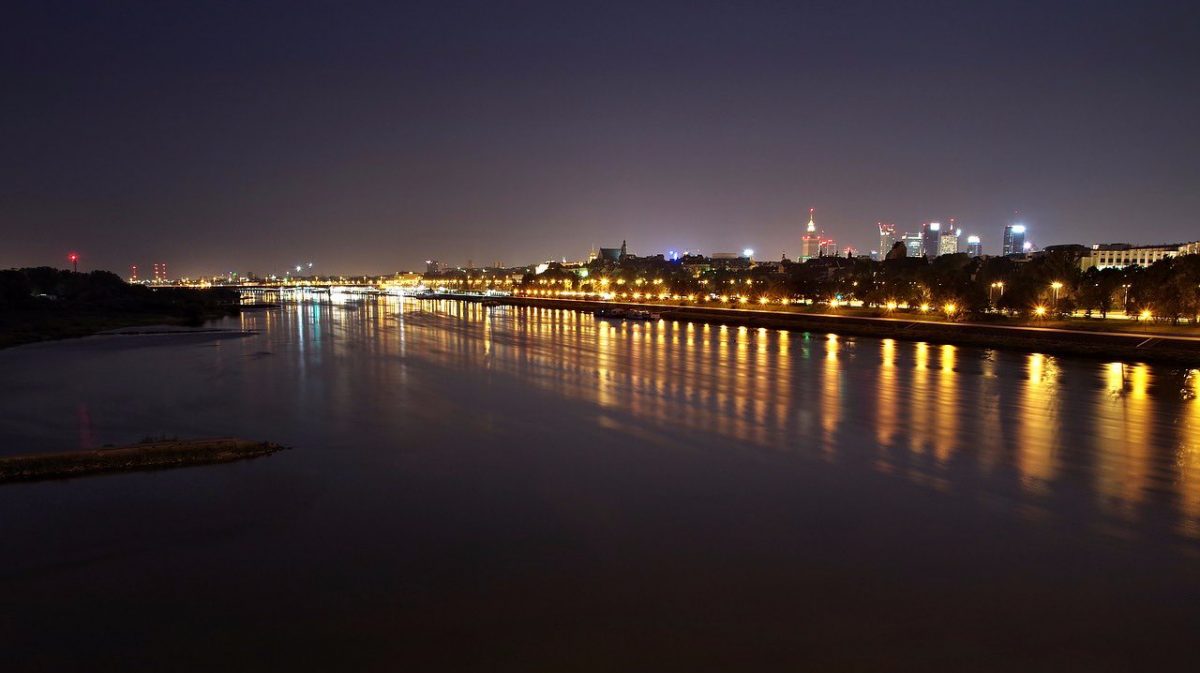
[(1044, 284), (49, 289)]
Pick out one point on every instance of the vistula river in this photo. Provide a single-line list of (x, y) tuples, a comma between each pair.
[(505, 489)]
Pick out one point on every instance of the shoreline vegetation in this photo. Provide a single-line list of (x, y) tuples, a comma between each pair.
[(147, 455), (43, 304)]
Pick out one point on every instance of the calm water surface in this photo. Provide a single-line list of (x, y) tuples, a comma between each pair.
[(527, 490)]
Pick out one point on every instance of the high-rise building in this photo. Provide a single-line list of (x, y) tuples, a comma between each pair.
[(930, 233), (827, 248), (810, 243), (914, 244), (1014, 239), (948, 242), (974, 247), (887, 238)]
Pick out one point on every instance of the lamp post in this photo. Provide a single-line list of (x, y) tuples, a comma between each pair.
[(998, 284), (1056, 286)]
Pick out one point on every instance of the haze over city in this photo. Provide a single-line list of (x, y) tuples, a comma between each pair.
[(251, 137)]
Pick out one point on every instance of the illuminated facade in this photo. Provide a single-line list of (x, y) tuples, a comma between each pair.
[(1014, 239), (974, 247), (948, 242), (931, 233), (887, 238), (810, 243), (1121, 255), (914, 244)]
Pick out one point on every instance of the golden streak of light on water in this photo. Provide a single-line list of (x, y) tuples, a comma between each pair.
[(928, 413)]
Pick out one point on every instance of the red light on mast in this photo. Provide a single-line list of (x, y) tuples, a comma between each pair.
[(73, 258)]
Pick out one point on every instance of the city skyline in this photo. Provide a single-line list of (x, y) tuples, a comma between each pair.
[(824, 243)]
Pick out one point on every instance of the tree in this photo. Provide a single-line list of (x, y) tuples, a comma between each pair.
[(898, 251), (1098, 289), (15, 289)]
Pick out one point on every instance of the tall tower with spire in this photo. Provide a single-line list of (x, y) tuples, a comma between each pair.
[(810, 243)]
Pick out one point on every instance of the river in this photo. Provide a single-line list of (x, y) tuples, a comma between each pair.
[(522, 489)]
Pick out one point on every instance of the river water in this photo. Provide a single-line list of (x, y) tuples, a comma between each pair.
[(528, 489)]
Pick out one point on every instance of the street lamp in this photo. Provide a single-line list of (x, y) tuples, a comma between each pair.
[(1056, 286), (996, 285)]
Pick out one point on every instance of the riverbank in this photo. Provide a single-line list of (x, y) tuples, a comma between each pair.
[(144, 456), (24, 326), (1114, 345), (42, 304)]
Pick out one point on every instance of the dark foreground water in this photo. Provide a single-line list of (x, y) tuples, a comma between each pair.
[(536, 490)]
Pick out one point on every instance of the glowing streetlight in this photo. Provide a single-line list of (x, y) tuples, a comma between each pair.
[(1146, 314), (1039, 311), (891, 306), (950, 308), (1056, 286), (925, 308)]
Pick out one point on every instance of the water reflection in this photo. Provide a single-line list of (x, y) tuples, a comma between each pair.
[(1031, 427)]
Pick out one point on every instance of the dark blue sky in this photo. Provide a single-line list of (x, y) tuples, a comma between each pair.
[(367, 137)]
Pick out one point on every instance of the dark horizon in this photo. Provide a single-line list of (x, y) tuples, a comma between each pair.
[(252, 138)]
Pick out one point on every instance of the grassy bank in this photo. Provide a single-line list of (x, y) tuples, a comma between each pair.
[(32, 325), (152, 455)]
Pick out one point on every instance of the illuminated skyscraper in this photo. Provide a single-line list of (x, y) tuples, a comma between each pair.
[(948, 242), (810, 243), (930, 233), (887, 238), (914, 244), (974, 247), (1014, 239)]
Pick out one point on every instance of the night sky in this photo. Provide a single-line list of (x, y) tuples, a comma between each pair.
[(366, 138)]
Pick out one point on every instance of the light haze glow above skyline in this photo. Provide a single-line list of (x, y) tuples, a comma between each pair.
[(369, 137)]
